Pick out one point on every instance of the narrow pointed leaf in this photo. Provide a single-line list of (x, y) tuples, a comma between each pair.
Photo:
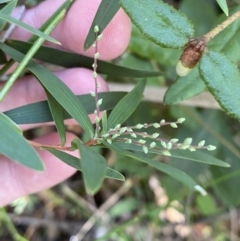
[(223, 6), (106, 11), (184, 88), (4, 1), (171, 171), (71, 60), (14, 146), (28, 28), (127, 105), (64, 7), (57, 89), (93, 168), (76, 163), (57, 112), (159, 21), (39, 112), (7, 10), (197, 156), (222, 78)]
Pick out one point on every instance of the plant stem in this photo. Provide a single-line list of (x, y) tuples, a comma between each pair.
[(96, 87), (208, 36), (30, 54), (11, 228)]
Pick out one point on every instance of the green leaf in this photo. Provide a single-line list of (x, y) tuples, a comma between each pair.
[(76, 163), (171, 171), (28, 28), (104, 122), (184, 88), (14, 145), (39, 112), (147, 49), (207, 205), (222, 77), (7, 10), (127, 105), (106, 11), (62, 9), (198, 156), (223, 6), (93, 168), (57, 88), (159, 21), (71, 60), (57, 112), (4, 1)]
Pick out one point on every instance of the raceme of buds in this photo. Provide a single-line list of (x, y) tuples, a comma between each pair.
[(192, 53)]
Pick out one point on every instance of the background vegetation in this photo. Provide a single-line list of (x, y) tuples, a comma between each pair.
[(150, 205)]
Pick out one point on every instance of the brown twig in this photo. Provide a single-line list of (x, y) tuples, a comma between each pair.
[(208, 36)]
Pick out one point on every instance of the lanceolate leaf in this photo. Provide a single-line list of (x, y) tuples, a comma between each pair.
[(160, 22), (197, 156), (57, 89), (127, 105), (57, 112), (171, 171), (14, 146), (71, 60), (223, 6), (106, 11), (28, 28), (39, 112), (222, 78), (93, 167), (7, 10), (76, 163)]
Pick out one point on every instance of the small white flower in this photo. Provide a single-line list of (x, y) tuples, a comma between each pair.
[(145, 149), (109, 141), (201, 143), (181, 120), (153, 144), (139, 126), (173, 125), (201, 190), (166, 153), (96, 29), (133, 135), (99, 102), (156, 125), (92, 93), (211, 148), (155, 135), (188, 141), (141, 141)]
